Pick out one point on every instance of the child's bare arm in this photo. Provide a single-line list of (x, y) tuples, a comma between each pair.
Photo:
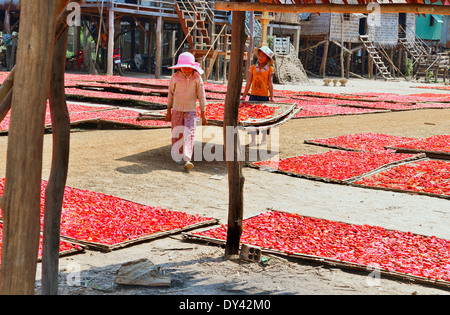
[(248, 86), (271, 87)]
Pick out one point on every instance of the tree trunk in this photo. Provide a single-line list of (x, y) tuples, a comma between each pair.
[(21, 199), (60, 161), (235, 177)]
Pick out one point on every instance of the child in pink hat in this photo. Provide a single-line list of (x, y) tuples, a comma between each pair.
[(185, 88)]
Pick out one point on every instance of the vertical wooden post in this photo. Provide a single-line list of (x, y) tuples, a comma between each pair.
[(111, 29), (349, 58), (305, 56), (342, 46), (151, 45), (76, 39), (235, 176), (323, 66), (159, 30), (370, 66), (21, 199), (363, 61), (7, 27), (60, 161)]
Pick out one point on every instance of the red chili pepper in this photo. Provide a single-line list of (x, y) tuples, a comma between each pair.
[(424, 176), (362, 244), (339, 165)]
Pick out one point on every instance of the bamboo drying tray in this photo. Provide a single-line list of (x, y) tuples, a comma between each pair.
[(347, 181), (323, 260), (283, 113), (441, 155), (108, 248), (352, 182)]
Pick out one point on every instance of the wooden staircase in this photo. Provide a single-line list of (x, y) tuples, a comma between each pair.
[(377, 59), (416, 51), (196, 19), (194, 16)]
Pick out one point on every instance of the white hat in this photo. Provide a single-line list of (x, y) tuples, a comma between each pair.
[(267, 51)]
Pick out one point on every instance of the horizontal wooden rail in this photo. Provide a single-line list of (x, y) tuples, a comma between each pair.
[(334, 8)]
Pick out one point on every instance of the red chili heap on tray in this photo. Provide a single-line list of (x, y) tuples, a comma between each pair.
[(362, 244), (372, 142), (216, 111), (99, 218), (339, 165), (424, 176), (63, 246), (439, 143)]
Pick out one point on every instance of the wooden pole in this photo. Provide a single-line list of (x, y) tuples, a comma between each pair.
[(21, 199), (333, 8), (348, 61), (159, 30), (342, 46), (323, 66), (54, 193), (235, 176), (110, 65)]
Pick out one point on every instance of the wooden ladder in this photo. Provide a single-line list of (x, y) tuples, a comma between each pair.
[(373, 52)]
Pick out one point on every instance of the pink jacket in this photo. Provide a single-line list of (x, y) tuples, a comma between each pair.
[(185, 91)]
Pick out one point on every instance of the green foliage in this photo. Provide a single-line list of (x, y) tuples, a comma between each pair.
[(409, 68), (430, 75)]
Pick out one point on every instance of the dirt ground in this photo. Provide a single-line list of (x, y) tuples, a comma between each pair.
[(136, 165)]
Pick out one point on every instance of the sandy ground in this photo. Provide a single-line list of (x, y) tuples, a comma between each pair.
[(136, 165)]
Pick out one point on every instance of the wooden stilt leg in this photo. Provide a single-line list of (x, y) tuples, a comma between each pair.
[(60, 161), (236, 178), (21, 199)]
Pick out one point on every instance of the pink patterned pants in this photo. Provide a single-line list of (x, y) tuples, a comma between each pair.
[(183, 135)]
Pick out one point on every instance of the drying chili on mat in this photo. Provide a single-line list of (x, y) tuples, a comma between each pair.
[(79, 113), (430, 176), (335, 165), (115, 79), (372, 142), (434, 87), (119, 116), (109, 96), (366, 245), (95, 217), (316, 109), (64, 247), (438, 143), (216, 111)]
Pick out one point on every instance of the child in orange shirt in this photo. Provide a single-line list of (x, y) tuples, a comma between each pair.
[(260, 80)]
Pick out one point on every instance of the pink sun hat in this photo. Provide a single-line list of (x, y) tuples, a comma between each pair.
[(187, 60)]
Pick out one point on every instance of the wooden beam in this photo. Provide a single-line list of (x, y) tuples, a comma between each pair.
[(54, 193), (313, 46), (323, 65), (111, 29), (231, 139), (159, 31), (332, 8), (21, 199)]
